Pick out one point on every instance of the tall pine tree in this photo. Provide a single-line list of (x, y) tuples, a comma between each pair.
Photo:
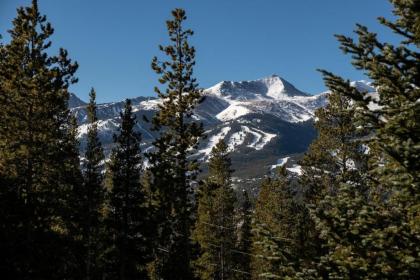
[(128, 223), (373, 232), (173, 171), (215, 229), (274, 230), (242, 254), (70, 211), (336, 162), (337, 156), (34, 127), (91, 195)]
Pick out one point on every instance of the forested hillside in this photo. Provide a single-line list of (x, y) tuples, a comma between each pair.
[(156, 197)]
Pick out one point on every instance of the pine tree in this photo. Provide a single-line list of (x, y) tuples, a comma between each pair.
[(91, 195), (74, 178), (215, 229), (274, 230), (372, 232), (173, 171), (205, 266), (394, 70), (128, 222), (243, 248), (337, 156), (34, 124)]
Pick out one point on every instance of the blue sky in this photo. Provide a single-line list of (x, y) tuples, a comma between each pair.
[(114, 41)]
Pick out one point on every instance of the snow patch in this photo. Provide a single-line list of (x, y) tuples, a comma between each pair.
[(109, 125), (295, 169), (232, 112), (214, 140), (152, 104), (236, 139), (259, 138), (280, 162)]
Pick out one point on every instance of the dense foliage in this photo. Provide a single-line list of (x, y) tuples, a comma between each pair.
[(352, 214), (215, 226), (173, 171), (129, 223), (36, 153)]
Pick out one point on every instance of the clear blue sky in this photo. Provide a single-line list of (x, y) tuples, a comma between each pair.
[(114, 41)]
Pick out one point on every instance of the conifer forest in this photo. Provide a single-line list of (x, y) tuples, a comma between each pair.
[(80, 209)]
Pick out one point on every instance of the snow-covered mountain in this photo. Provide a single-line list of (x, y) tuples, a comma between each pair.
[(261, 121), (271, 95)]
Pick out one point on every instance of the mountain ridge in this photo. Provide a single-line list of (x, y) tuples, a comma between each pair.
[(261, 121)]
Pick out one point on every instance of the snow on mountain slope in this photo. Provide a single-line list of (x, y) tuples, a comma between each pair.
[(104, 126), (249, 137), (261, 121), (272, 87), (260, 138), (232, 112), (236, 139), (151, 104), (280, 162), (272, 95), (213, 140), (296, 168)]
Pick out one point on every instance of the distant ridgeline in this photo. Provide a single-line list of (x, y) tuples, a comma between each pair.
[(263, 122), (115, 190)]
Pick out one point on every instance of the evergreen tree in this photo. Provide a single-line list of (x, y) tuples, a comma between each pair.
[(173, 171), (128, 221), (91, 195), (337, 156), (215, 229), (74, 178), (274, 247), (243, 251), (372, 232), (34, 128), (395, 72), (206, 265)]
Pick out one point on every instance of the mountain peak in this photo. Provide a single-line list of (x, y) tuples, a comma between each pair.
[(75, 101), (271, 87), (279, 88)]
